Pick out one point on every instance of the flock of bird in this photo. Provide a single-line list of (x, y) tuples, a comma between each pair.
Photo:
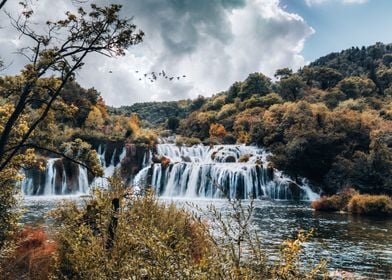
[(153, 76)]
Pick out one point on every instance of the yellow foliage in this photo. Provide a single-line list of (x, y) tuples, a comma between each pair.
[(94, 119), (134, 124)]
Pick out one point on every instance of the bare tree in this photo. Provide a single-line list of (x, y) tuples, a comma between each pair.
[(2, 3), (60, 52)]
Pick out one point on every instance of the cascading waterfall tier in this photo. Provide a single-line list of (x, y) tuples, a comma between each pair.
[(59, 178), (62, 177), (219, 171)]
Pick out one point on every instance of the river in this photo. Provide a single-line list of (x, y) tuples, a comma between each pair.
[(362, 245)]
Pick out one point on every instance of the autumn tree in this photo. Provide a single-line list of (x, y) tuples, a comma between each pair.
[(94, 119), (217, 132), (54, 57), (255, 83)]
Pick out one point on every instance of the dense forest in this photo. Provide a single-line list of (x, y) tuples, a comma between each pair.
[(329, 122)]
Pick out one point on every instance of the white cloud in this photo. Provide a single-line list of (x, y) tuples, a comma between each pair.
[(317, 2), (213, 43)]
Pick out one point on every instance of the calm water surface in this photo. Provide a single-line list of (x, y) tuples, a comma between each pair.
[(362, 245)]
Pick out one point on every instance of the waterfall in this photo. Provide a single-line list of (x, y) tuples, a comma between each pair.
[(56, 180), (199, 171), (60, 178), (220, 171)]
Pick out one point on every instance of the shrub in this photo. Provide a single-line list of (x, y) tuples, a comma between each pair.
[(226, 111), (335, 202), (244, 158), (326, 203), (371, 204), (146, 137), (148, 239), (187, 141), (33, 256)]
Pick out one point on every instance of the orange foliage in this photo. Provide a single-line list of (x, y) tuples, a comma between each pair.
[(335, 202), (371, 204), (102, 107), (34, 255), (217, 131), (165, 161), (134, 124)]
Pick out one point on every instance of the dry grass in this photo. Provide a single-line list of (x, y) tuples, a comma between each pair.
[(371, 204), (335, 202)]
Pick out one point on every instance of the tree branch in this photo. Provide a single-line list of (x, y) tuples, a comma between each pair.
[(31, 145), (2, 3)]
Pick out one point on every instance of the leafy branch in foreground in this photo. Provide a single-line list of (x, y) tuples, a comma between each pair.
[(241, 252)]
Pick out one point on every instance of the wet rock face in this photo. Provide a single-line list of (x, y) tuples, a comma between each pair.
[(133, 160), (113, 150), (230, 159), (71, 172), (37, 180), (270, 172), (295, 190)]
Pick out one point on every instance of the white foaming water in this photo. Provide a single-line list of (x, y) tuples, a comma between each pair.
[(194, 172), (55, 180), (222, 170), (55, 183), (108, 170)]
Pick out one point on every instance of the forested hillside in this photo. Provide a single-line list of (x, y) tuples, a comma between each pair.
[(329, 122), (154, 113)]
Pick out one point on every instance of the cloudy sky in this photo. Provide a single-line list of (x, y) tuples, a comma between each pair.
[(214, 42)]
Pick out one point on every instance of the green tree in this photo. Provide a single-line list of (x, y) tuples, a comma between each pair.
[(255, 83), (233, 91), (324, 77), (354, 87), (173, 123), (291, 88), (283, 73)]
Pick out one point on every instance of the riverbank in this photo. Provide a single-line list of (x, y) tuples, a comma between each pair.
[(356, 244)]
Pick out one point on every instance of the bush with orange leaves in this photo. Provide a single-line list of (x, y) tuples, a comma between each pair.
[(335, 202), (353, 202), (33, 257)]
